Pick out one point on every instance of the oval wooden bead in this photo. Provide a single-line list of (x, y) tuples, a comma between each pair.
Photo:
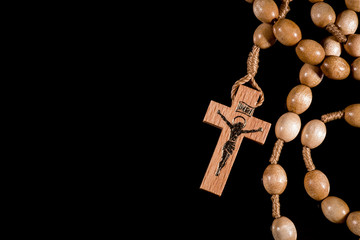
[(355, 69), (287, 32), (353, 5), (264, 36), (316, 185), (283, 228), (310, 75), (322, 14), (353, 222), (352, 45), (265, 10), (352, 115), (288, 126), (335, 68), (274, 179), (299, 99), (313, 133), (310, 51), (335, 209), (347, 21), (331, 46)]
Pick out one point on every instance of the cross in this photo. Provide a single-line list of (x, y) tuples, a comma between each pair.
[(221, 116)]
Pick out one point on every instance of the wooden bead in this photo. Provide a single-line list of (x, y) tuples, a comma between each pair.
[(299, 99), (264, 36), (249, 1), (322, 14), (315, 1), (283, 228), (310, 75), (335, 209), (265, 10), (317, 185), (355, 69), (331, 46), (353, 5), (335, 68), (288, 126), (310, 51), (274, 179), (352, 115), (347, 21), (287, 32), (313, 133), (353, 222), (352, 45)]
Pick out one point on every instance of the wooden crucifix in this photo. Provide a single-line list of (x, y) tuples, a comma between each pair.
[(236, 123)]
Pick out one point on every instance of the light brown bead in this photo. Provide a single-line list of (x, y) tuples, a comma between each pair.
[(288, 126), (352, 45), (352, 115), (310, 75), (331, 46), (335, 209), (249, 1), (317, 185), (355, 69), (310, 51), (347, 21), (287, 32), (335, 68), (353, 5), (322, 14), (315, 1), (274, 179), (265, 10), (299, 99), (353, 222), (313, 133), (264, 36), (283, 229)]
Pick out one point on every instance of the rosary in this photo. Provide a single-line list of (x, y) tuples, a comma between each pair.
[(236, 122)]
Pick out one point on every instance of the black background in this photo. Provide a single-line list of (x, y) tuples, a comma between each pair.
[(208, 45)]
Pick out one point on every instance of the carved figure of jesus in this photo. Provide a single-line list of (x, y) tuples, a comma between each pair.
[(228, 148)]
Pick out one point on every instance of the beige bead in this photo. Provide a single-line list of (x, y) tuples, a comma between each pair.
[(331, 46), (322, 14), (310, 75), (335, 209), (352, 45), (317, 185), (264, 36), (335, 68), (310, 51), (355, 69), (265, 10), (352, 115), (287, 32), (274, 179), (288, 126), (353, 222), (353, 5), (313, 133), (347, 21), (283, 229), (299, 99)]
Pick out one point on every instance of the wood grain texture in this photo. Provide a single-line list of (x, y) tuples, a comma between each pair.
[(211, 182)]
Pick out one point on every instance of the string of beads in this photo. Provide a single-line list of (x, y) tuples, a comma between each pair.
[(316, 183), (319, 60)]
